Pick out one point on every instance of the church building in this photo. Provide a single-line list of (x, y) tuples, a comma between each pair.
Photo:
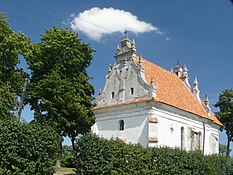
[(142, 103)]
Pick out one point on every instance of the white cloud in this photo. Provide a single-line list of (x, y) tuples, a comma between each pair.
[(97, 22)]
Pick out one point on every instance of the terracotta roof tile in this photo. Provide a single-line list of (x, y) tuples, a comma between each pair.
[(215, 119), (172, 91)]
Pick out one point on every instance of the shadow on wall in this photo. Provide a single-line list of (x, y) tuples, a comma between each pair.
[(144, 135)]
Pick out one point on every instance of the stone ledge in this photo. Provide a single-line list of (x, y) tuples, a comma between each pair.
[(153, 120), (153, 139)]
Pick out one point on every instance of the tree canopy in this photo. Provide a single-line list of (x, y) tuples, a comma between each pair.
[(225, 115), (12, 45), (59, 91)]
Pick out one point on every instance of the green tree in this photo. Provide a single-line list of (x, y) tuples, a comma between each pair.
[(225, 115), (12, 45), (223, 149), (27, 149), (59, 91)]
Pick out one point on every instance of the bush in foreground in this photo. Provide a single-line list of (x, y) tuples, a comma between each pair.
[(27, 149), (68, 161), (68, 157), (100, 156)]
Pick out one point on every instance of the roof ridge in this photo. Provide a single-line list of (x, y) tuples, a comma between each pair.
[(157, 66)]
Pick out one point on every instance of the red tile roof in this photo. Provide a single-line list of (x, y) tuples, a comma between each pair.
[(171, 90)]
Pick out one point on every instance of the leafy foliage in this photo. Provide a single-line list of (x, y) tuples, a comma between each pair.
[(69, 161), (218, 164), (27, 148), (67, 150), (100, 156), (225, 115), (7, 101), (68, 157), (11, 77), (223, 149), (59, 91)]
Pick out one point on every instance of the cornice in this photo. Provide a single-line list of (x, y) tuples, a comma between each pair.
[(122, 109), (178, 113)]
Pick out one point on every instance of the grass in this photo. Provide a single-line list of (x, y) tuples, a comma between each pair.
[(63, 170)]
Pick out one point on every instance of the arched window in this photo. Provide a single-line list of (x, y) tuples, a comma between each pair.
[(182, 138), (121, 125), (131, 91)]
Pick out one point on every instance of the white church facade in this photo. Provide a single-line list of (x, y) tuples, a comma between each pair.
[(142, 103)]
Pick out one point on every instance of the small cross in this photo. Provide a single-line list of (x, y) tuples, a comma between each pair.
[(125, 32)]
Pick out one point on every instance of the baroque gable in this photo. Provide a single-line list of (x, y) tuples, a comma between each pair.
[(125, 80)]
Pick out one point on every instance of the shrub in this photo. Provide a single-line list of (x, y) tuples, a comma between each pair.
[(27, 149), (100, 156), (67, 150), (68, 157), (218, 164), (69, 161), (94, 155)]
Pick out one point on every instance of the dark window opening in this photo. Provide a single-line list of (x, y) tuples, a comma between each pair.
[(112, 95), (121, 125), (182, 138), (131, 91)]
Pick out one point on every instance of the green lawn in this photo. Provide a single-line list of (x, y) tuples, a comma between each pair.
[(63, 170)]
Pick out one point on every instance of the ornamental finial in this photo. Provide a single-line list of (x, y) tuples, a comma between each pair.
[(140, 59), (195, 82)]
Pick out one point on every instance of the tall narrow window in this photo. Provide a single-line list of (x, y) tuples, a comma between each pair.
[(131, 91), (112, 95), (121, 125), (182, 138), (195, 140)]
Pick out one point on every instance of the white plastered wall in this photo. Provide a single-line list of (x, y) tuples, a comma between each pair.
[(135, 120), (169, 129)]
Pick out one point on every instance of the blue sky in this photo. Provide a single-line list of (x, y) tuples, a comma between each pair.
[(197, 33)]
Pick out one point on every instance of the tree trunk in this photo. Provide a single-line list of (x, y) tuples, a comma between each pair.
[(59, 157), (60, 149), (228, 146), (22, 100), (72, 141)]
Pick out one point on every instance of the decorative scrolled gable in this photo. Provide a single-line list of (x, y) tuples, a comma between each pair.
[(125, 80)]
